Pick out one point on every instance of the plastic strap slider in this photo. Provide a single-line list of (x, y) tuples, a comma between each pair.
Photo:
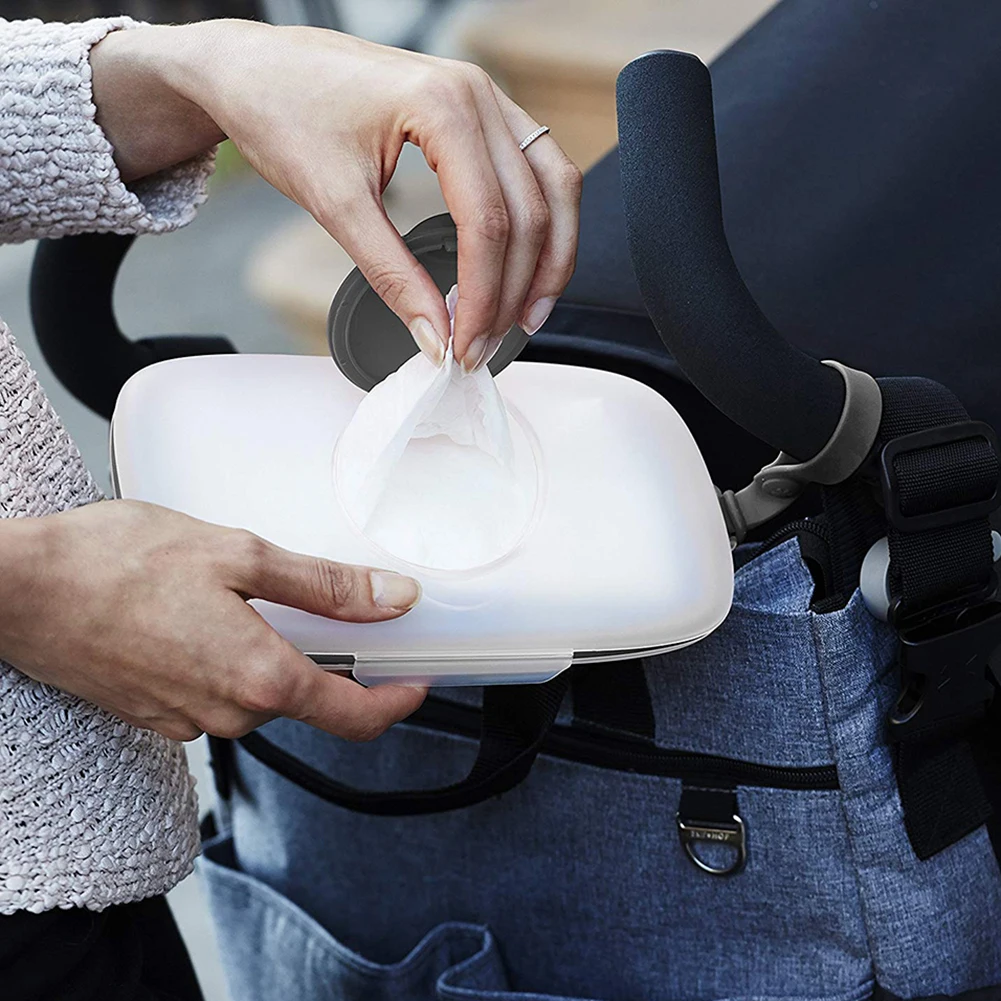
[(776, 486)]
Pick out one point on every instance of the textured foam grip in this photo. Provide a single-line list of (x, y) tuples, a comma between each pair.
[(690, 284)]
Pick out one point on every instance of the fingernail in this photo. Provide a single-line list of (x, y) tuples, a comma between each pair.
[(475, 353), (492, 345), (393, 590), (427, 340), (538, 314)]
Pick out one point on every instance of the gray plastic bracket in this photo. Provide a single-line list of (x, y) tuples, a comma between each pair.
[(776, 486)]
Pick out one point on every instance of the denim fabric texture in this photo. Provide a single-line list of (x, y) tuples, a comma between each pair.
[(934, 926), (574, 885)]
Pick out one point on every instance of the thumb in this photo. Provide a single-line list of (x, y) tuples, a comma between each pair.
[(343, 707), (397, 277), (323, 587)]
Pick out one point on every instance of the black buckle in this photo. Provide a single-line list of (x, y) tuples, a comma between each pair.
[(944, 435), (946, 668)]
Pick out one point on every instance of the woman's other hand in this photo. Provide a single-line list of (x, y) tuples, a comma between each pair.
[(144, 612), (323, 117)]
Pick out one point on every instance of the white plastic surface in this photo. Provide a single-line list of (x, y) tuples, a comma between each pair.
[(518, 668), (627, 552)]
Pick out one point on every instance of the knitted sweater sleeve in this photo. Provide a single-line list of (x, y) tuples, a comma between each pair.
[(57, 172)]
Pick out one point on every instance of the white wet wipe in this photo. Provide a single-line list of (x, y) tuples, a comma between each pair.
[(429, 469)]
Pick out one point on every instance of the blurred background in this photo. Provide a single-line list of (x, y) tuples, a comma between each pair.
[(255, 267)]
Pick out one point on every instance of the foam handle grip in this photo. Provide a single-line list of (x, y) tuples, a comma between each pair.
[(687, 276)]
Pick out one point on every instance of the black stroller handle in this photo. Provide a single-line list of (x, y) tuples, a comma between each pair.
[(686, 273), (72, 289)]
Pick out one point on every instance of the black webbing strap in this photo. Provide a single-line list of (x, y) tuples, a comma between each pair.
[(855, 521), (515, 721), (938, 473), (613, 697), (937, 488), (938, 563), (941, 791), (986, 745)]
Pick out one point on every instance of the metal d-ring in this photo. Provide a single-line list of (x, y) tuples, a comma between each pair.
[(734, 835)]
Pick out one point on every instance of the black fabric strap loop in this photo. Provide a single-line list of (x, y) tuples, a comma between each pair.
[(516, 719), (939, 477), (939, 473), (941, 793), (929, 567), (613, 697)]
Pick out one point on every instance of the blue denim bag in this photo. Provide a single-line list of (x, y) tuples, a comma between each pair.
[(576, 884)]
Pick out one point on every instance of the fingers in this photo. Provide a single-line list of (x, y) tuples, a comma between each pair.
[(364, 230), (277, 680), (323, 587), (528, 218), (284, 682), (476, 200), (560, 182), (341, 706), (516, 215), (272, 678), (516, 255)]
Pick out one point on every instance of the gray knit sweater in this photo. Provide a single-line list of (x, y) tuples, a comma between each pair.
[(93, 812)]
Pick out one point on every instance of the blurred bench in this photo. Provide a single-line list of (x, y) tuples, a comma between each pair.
[(559, 61)]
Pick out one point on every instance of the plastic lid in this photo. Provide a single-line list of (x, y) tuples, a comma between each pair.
[(369, 341)]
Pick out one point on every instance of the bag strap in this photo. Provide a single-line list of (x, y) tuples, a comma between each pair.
[(936, 473), (939, 474), (939, 477), (515, 721), (613, 698)]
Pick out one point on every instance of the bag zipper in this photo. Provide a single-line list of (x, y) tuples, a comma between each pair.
[(809, 525), (625, 754), (815, 549)]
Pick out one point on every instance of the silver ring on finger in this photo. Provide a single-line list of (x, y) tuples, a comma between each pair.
[(532, 136)]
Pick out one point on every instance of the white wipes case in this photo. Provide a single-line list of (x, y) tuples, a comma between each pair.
[(557, 515), (605, 541)]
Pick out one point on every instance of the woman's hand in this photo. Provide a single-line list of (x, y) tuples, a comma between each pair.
[(143, 611), (323, 117)]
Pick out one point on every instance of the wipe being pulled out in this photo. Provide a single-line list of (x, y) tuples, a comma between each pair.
[(431, 468)]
